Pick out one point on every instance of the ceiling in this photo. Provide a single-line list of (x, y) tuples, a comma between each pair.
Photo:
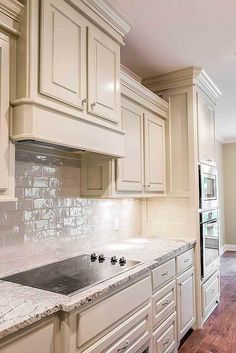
[(168, 35)]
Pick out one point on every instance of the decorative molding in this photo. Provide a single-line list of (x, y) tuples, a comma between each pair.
[(131, 73), (10, 15), (229, 247), (104, 12), (226, 141), (109, 12), (134, 90), (185, 77)]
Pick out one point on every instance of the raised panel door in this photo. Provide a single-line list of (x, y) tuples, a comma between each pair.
[(203, 130), (211, 138), (129, 170), (185, 302), (154, 153), (63, 53), (4, 112), (103, 76)]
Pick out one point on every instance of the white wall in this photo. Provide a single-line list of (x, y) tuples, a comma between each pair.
[(229, 153)]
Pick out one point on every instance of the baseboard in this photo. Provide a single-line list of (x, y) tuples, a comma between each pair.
[(228, 247)]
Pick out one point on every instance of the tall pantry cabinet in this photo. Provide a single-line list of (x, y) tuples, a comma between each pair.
[(9, 30), (190, 136)]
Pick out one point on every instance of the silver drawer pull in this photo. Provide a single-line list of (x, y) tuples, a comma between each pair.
[(124, 347), (84, 101), (165, 303), (165, 273), (93, 105), (166, 341), (186, 260)]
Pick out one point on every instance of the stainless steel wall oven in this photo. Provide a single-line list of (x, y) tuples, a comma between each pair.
[(210, 241), (208, 198)]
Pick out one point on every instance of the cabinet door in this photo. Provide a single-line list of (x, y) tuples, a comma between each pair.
[(103, 76), (154, 153), (63, 53), (185, 302), (211, 148), (203, 130), (129, 170), (4, 116)]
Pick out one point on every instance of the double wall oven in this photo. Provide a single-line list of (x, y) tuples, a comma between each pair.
[(209, 219)]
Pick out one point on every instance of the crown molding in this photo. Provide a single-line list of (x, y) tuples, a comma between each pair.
[(107, 12), (10, 15), (134, 90), (185, 77)]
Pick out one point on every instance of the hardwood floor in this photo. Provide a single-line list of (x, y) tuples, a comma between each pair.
[(219, 332)]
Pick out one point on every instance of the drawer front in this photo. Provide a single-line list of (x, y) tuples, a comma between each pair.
[(130, 336), (163, 274), (165, 337), (105, 315), (211, 291), (184, 261), (163, 303)]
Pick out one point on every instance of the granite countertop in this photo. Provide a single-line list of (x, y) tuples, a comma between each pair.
[(21, 306)]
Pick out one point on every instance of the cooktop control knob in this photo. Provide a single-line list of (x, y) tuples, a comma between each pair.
[(93, 257), (114, 259), (122, 260), (101, 258)]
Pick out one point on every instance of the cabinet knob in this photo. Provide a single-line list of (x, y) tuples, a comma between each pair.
[(93, 105), (84, 101), (124, 347)]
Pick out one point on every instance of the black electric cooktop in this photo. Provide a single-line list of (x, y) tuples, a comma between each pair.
[(73, 275)]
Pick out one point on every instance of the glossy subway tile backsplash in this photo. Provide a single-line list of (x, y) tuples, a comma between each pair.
[(50, 221)]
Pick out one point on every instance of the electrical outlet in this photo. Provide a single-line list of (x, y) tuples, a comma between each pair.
[(116, 223)]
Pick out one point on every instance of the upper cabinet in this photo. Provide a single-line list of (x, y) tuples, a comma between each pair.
[(9, 23), (142, 172), (79, 64), (206, 130), (190, 128), (63, 53), (68, 92), (103, 76)]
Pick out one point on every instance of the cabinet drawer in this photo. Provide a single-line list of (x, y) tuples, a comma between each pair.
[(163, 303), (106, 315), (165, 337), (163, 274), (210, 293), (131, 335), (184, 261)]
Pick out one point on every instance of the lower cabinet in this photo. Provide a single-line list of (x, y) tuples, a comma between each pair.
[(185, 302), (210, 294), (43, 338), (165, 337)]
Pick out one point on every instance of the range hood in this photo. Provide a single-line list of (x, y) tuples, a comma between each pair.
[(34, 123)]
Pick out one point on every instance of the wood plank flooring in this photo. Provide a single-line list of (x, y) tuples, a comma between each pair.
[(219, 332)]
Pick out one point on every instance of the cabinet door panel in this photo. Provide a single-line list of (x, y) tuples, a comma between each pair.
[(154, 153), (203, 130), (4, 117), (211, 117), (103, 76), (185, 302), (63, 53), (129, 170)]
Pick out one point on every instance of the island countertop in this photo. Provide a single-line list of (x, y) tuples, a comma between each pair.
[(21, 306)]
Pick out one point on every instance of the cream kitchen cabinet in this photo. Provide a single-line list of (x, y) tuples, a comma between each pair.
[(7, 91), (185, 302), (65, 37), (42, 338), (206, 130), (68, 92), (142, 172)]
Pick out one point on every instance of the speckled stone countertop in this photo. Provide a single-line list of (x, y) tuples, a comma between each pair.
[(21, 306)]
